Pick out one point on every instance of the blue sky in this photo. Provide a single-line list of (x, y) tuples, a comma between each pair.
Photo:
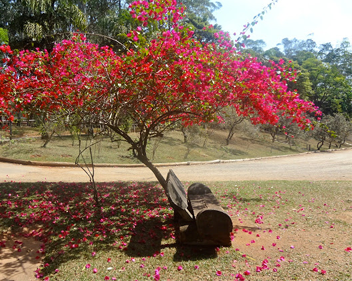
[(321, 20)]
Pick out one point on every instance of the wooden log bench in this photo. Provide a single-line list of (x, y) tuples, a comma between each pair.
[(200, 220)]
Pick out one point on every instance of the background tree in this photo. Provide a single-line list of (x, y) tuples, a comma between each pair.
[(104, 16), (330, 89), (332, 130), (274, 54), (231, 120), (339, 128), (254, 47), (199, 16), (4, 37), (40, 23), (322, 134), (33, 23), (323, 72), (201, 8), (108, 22), (340, 57)]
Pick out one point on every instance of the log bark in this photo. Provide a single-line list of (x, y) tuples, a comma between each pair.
[(213, 223)]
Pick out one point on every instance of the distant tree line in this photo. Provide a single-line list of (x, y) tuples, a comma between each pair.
[(325, 72), (324, 77), (41, 23)]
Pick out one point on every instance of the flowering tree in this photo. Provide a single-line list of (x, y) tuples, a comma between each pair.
[(169, 78)]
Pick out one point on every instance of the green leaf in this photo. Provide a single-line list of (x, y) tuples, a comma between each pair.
[(4, 38)]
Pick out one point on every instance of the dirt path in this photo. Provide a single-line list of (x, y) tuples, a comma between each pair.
[(335, 165)]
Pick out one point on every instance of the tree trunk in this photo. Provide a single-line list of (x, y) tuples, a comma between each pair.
[(342, 142), (10, 130), (273, 134), (154, 169), (185, 135), (230, 135), (139, 151), (320, 144), (232, 129), (48, 139)]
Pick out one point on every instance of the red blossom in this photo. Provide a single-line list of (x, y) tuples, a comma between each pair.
[(239, 276)]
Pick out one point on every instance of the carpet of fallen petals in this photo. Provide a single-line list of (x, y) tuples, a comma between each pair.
[(282, 231)]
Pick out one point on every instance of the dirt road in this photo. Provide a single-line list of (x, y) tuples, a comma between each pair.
[(335, 165)]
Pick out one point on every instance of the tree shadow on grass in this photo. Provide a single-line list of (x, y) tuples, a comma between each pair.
[(233, 151), (68, 222), (147, 236), (134, 219), (236, 197), (17, 255), (147, 241), (194, 253), (247, 228)]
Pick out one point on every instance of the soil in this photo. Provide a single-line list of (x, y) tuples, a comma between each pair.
[(19, 259)]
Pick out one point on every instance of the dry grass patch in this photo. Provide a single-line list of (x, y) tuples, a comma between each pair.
[(205, 146)]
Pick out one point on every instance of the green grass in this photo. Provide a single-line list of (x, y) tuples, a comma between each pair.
[(171, 148), (133, 235)]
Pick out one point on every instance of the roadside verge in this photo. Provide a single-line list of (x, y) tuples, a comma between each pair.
[(187, 163)]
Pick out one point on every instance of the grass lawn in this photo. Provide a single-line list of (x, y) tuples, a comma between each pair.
[(170, 148), (282, 231)]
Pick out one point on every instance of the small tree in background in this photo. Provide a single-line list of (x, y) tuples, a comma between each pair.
[(323, 134), (284, 127), (231, 120), (332, 130), (342, 127), (165, 80)]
